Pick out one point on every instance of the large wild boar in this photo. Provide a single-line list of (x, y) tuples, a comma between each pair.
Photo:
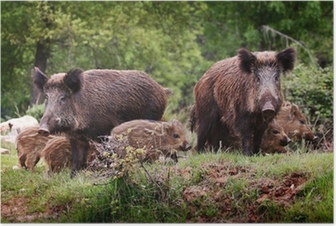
[(87, 104), (57, 154), (29, 145), (274, 139), (154, 137), (237, 98), (294, 123)]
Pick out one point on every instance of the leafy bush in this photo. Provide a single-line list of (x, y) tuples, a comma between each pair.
[(36, 111)]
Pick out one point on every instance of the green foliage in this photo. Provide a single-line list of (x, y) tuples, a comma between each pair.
[(311, 88), (36, 111), (230, 25), (321, 188)]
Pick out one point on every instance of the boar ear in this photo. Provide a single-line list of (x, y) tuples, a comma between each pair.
[(295, 109), (39, 78), (286, 104), (166, 126), (73, 79), (247, 59), (175, 122), (287, 59)]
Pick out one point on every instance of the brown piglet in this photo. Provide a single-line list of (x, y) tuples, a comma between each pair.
[(29, 144), (274, 139), (155, 137), (57, 154), (294, 123)]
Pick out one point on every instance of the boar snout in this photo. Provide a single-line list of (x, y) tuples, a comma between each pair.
[(268, 111), (285, 142), (186, 146), (310, 137), (44, 130)]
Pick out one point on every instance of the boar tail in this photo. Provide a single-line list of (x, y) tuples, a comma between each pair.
[(169, 92)]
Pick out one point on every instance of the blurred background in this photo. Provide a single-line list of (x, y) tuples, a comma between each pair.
[(174, 42)]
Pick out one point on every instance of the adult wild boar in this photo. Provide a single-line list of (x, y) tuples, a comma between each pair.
[(154, 137), (294, 123), (88, 104), (237, 98), (274, 139)]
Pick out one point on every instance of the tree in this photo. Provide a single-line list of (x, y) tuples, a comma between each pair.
[(231, 25)]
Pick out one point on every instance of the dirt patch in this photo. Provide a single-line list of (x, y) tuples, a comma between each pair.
[(16, 210), (215, 195), (280, 191)]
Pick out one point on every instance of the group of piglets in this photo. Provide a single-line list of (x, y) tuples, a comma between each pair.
[(289, 125), (155, 137)]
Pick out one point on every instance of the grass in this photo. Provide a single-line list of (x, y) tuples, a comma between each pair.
[(202, 188)]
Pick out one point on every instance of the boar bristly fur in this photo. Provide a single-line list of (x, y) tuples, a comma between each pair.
[(86, 104), (237, 98), (57, 154), (294, 123), (29, 145), (274, 139)]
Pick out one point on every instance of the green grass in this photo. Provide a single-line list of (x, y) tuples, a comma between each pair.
[(222, 187)]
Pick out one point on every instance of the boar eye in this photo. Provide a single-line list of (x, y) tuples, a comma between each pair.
[(176, 136), (277, 77), (302, 121), (275, 132), (62, 99), (258, 79)]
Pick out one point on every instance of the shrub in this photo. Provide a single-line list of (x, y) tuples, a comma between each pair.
[(36, 111)]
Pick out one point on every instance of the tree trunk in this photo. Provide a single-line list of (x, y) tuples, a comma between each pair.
[(41, 57)]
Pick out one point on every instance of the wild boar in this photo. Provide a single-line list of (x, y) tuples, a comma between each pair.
[(274, 139), (86, 104), (154, 137), (294, 123), (57, 154), (29, 144), (237, 98)]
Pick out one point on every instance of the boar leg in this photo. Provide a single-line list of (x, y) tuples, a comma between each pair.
[(79, 150), (257, 138), (246, 145), (207, 132), (31, 163), (22, 160)]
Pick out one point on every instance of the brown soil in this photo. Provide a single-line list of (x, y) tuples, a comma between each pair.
[(211, 194), (17, 210)]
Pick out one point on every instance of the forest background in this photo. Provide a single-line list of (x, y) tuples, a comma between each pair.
[(174, 42)]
